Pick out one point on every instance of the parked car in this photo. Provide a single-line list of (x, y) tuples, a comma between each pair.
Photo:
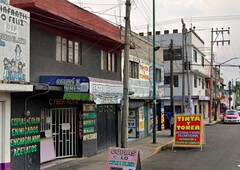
[(238, 109), (231, 116)]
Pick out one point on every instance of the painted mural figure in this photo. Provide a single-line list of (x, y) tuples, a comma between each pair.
[(14, 67)]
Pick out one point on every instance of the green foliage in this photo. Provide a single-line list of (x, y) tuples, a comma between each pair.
[(218, 99)]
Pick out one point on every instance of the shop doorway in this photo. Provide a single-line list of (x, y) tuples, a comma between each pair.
[(106, 126), (62, 124)]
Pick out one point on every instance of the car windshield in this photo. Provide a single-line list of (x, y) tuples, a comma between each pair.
[(232, 113)]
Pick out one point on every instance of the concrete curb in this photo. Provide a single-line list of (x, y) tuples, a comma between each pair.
[(158, 149), (213, 123)]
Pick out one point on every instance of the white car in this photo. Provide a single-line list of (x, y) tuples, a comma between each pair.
[(231, 116)]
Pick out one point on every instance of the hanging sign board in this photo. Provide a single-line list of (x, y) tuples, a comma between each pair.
[(71, 84), (123, 159), (188, 131)]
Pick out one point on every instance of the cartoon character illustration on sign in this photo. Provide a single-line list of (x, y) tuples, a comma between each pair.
[(6, 64), (14, 67)]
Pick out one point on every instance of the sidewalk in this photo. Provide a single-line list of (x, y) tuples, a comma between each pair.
[(98, 162)]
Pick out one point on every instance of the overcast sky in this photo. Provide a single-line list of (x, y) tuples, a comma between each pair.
[(203, 14)]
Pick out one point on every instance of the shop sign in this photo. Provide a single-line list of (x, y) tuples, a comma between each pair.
[(71, 84), (25, 136), (87, 124), (123, 158), (106, 93), (188, 131), (139, 87), (14, 43), (143, 71)]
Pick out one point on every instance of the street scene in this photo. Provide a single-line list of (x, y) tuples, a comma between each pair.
[(119, 84), (220, 151)]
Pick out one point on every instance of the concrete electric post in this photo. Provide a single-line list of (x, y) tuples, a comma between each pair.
[(124, 126)]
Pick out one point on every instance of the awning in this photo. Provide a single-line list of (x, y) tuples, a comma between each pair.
[(78, 96)]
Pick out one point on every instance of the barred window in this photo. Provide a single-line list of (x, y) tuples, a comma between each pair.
[(133, 70)]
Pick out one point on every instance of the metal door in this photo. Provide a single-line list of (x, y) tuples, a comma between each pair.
[(106, 126), (62, 123)]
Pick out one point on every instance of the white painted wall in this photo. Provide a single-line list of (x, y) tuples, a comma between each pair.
[(5, 116)]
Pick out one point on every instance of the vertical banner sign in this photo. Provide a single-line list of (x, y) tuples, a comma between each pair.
[(188, 131), (25, 136), (14, 44), (123, 159), (89, 118)]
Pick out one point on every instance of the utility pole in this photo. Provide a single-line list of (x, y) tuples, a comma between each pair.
[(183, 65), (211, 71), (188, 76), (154, 77), (171, 51), (124, 132), (230, 93)]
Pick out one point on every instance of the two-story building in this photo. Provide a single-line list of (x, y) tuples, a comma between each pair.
[(70, 75), (14, 76), (140, 120)]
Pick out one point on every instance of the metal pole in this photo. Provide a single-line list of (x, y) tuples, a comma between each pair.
[(183, 66), (229, 95), (188, 76), (154, 78), (171, 88), (215, 93), (211, 79), (124, 134)]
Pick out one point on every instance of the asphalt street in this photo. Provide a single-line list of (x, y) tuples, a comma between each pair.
[(221, 151)]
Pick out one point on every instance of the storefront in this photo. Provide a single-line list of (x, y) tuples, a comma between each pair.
[(137, 119), (108, 96), (14, 78), (69, 118)]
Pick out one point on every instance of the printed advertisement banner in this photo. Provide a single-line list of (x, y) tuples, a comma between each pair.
[(188, 130), (123, 159), (14, 44)]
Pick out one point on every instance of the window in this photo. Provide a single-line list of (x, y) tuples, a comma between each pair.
[(195, 81), (167, 80), (202, 83), (68, 51), (158, 75), (177, 56), (202, 61), (195, 55), (199, 80), (108, 61), (133, 70)]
